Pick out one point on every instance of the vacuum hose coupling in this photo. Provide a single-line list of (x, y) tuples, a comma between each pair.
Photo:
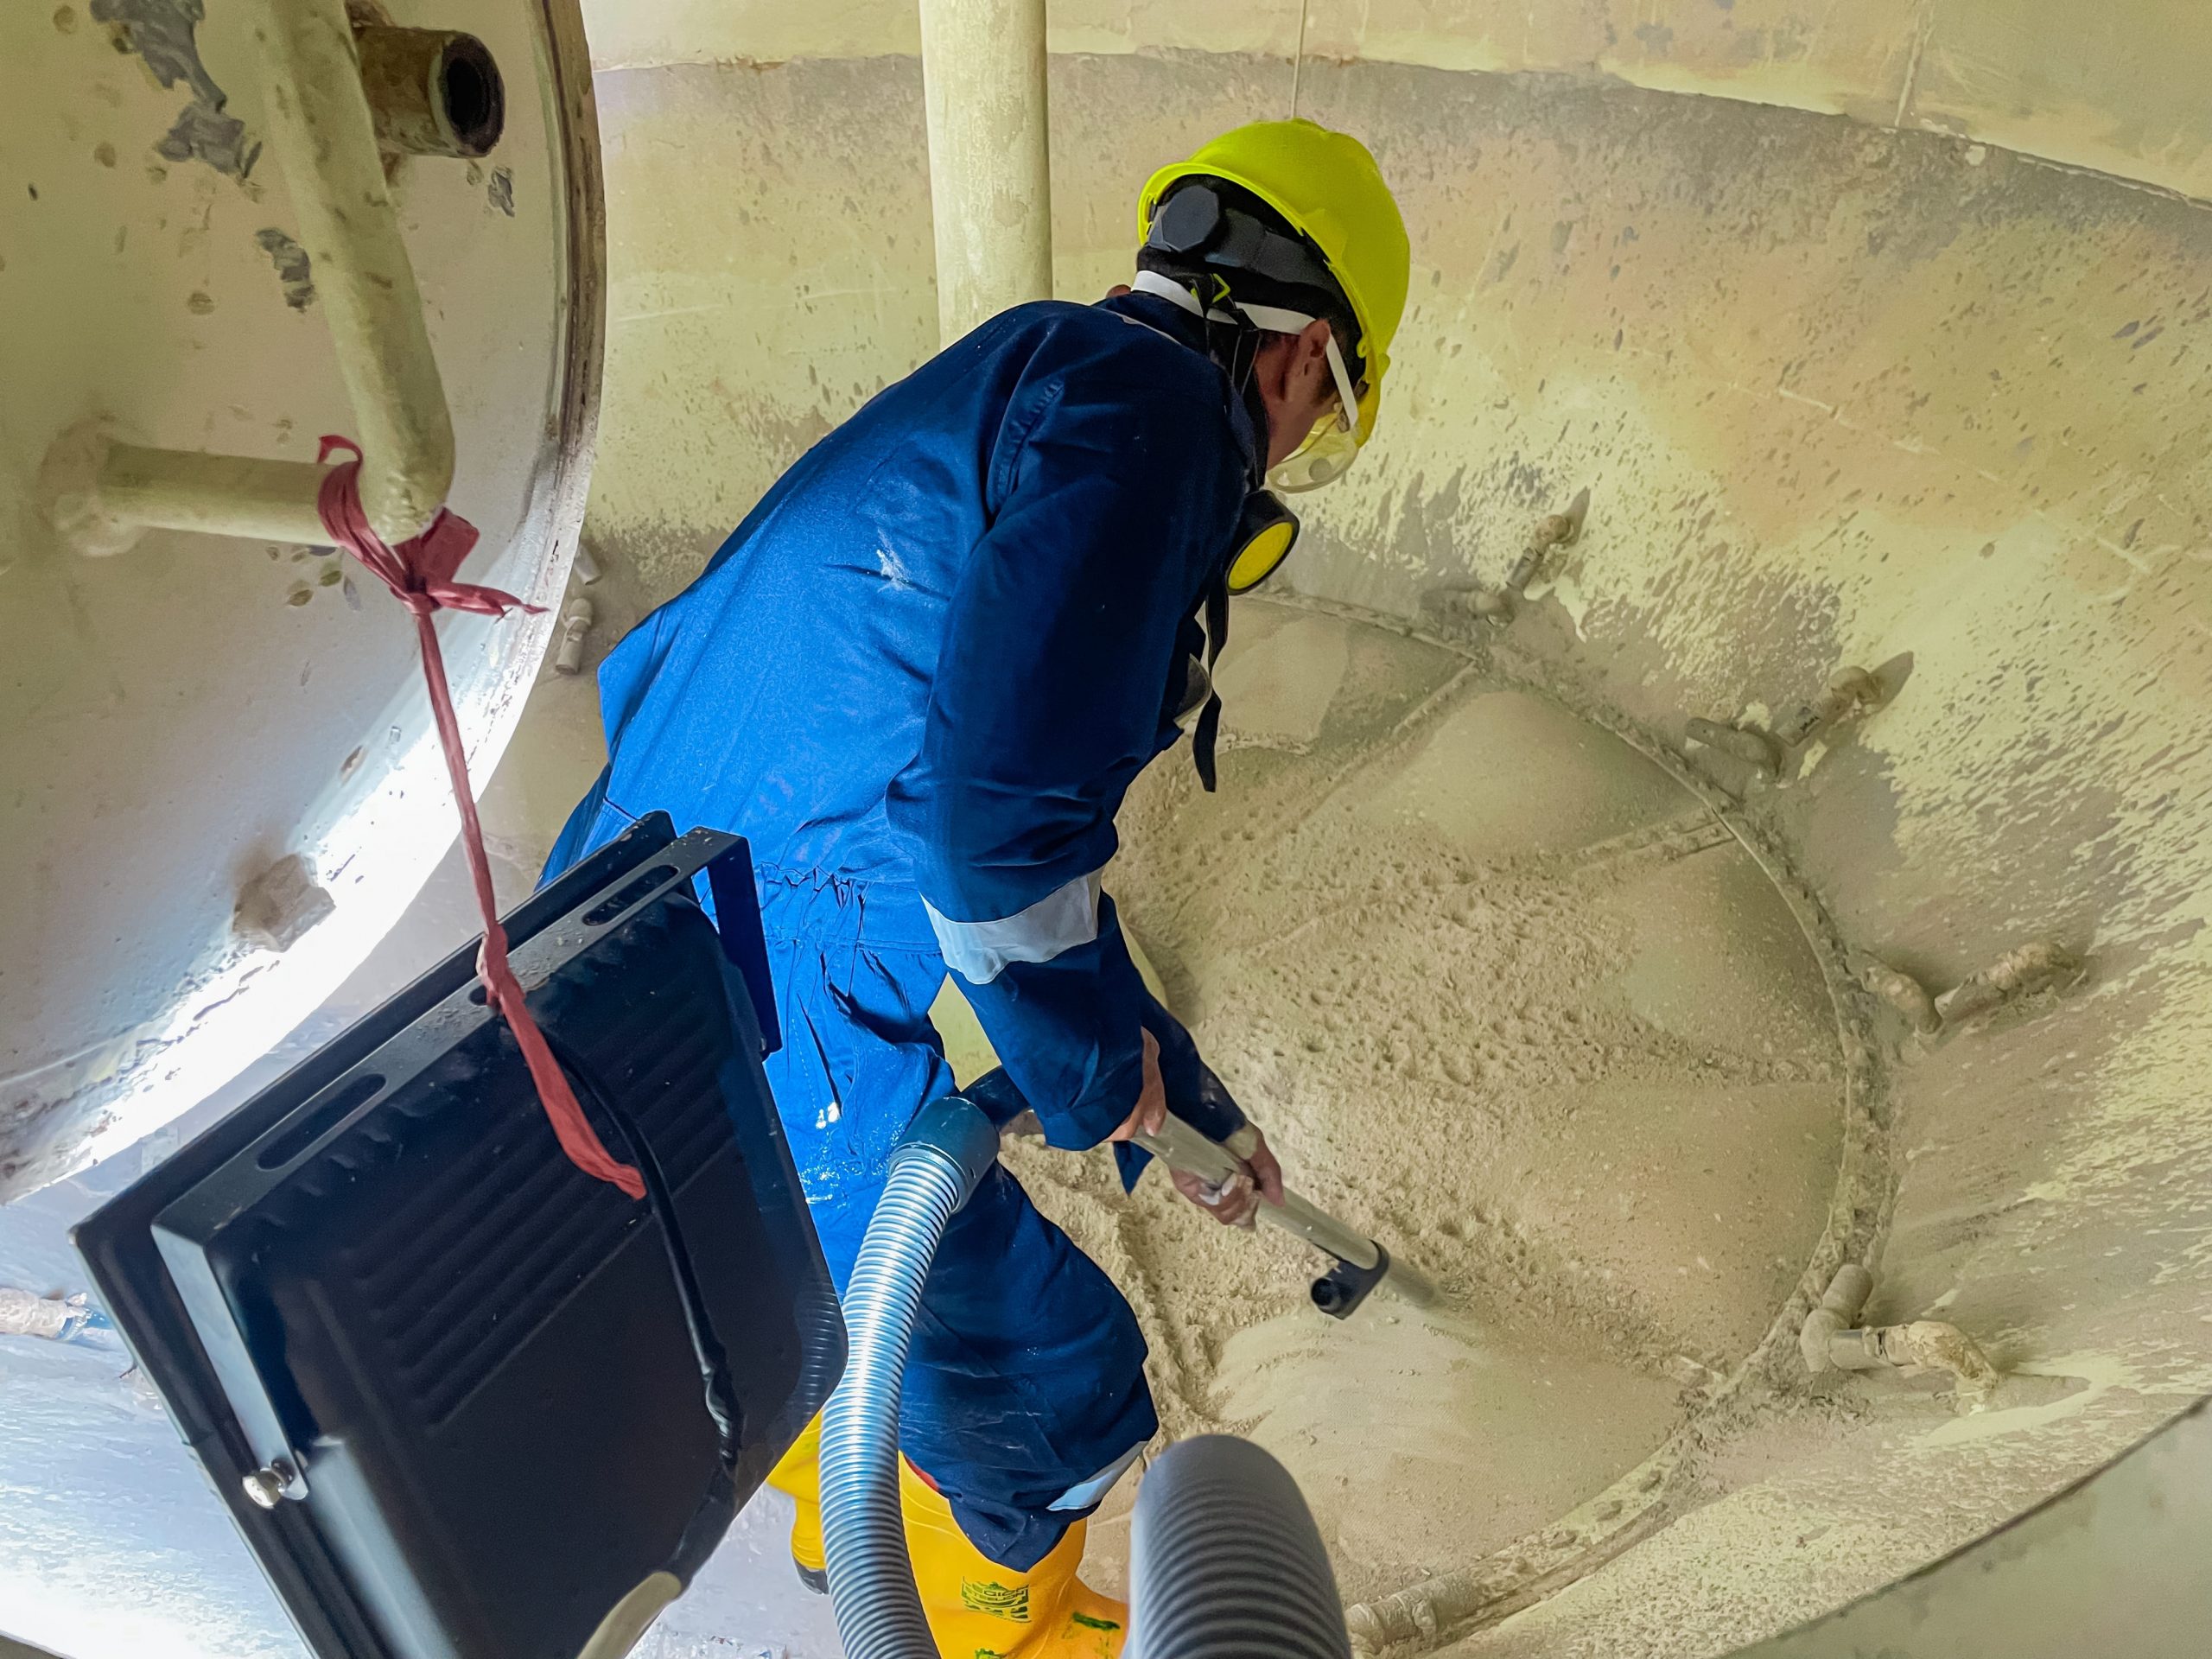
[(1225, 1561), (935, 1165)]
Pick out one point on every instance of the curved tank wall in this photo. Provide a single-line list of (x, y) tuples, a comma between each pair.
[(1861, 365), (177, 719)]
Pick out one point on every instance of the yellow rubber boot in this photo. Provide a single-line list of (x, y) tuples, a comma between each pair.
[(799, 1473), (979, 1610)]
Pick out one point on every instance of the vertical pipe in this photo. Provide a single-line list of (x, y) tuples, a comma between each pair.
[(990, 179), (323, 134)]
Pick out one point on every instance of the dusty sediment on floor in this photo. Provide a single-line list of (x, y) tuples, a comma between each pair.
[(1497, 990)]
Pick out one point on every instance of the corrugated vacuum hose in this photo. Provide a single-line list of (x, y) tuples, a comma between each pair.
[(935, 1167), (1226, 1562)]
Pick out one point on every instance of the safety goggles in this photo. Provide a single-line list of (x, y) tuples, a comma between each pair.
[(1329, 449)]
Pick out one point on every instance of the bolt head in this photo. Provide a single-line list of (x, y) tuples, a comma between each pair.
[(266, 1488)]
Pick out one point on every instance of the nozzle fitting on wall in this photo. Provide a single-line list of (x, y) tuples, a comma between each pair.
[(1829, 1342), (277, 908), (1850, 692), (1904, 993), (2041, 966), (575, 630), (1839, 1310), (1553, 530), (1754, 751)]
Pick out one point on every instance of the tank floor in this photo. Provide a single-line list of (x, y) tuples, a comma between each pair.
[(1474, 966)]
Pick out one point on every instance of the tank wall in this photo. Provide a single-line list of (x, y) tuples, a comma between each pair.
[(2115, 87)]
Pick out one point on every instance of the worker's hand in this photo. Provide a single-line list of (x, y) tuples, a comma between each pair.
[(1236, 1202), (1151, 1110)]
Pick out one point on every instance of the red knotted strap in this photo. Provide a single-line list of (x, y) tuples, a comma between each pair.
[(420, 574)]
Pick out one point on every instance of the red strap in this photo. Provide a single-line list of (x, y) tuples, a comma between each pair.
[(420, 574)]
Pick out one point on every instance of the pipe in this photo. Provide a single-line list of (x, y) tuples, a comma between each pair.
[(1839, 1308), (57, 1318), (983, 88), (932, 1170), (576, 631), (431, 92), (1849, 691), (1904, 993), (2017, 973), (1924, 1344), (1225, 1561), (324, 134), (218, 495), (1754, 749), (1182, 1148)]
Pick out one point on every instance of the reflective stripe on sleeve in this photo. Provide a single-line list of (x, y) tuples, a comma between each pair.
[(1061, 920)]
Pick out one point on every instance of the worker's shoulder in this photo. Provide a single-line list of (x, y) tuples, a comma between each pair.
[(1094, 348)]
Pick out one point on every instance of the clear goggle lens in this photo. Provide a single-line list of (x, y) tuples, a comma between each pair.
[(1335, 441)]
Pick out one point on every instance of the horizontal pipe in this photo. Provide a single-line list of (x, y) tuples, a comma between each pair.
[(1927, 1344), (218, 495), (324, 136)]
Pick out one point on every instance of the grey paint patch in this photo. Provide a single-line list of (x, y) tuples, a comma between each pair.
[(293, 269), (501, 190), (164, 33)]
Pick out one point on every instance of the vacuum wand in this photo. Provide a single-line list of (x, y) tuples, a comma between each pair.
[(1361, 1263)]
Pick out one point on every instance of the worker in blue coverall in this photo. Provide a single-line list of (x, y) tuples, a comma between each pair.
[(919, 678)]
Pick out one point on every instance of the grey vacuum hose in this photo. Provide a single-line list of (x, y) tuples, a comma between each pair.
[(1226, 1563), (933, 1170)]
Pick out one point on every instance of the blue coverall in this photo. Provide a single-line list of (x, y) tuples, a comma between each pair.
[(919, 678)]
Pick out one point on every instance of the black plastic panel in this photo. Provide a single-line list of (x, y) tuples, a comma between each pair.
[(384, 1272)]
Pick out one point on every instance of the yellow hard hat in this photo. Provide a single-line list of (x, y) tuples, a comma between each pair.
[(1327, 187)]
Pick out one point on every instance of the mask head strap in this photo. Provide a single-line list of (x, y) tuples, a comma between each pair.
[(1207, 731), (1269, 319)]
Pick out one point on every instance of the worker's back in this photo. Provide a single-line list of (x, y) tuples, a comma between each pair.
[(785, 692)]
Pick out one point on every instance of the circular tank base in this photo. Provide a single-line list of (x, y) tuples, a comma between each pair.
[(1502, 991)]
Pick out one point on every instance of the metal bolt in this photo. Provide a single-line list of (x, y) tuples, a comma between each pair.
[(266, 1488)]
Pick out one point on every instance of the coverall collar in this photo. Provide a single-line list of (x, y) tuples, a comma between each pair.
[(1165, 316)]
